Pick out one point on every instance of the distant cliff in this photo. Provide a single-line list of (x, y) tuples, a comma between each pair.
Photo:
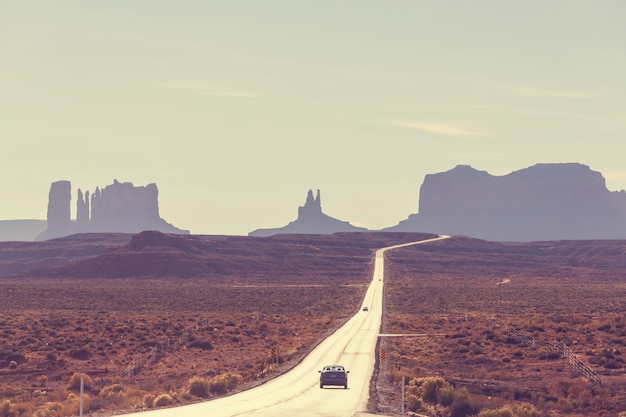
[(117, 208), (21, 230), (543, 202), (311, 220)]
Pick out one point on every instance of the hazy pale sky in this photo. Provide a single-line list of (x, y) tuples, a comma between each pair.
[(235, 109)]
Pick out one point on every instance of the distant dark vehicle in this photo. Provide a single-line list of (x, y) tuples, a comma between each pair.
[(366, 309), (335, 375)]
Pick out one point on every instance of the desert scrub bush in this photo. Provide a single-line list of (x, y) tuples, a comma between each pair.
[(42, 380), (416, 405), (16, 357), (148, 400), (24, 409), (397, 374), (81, 354), (199, 387), (39, 395), (43, 412), (522, 410), (222, 383), (7, 409), (111, 396), (445, 395), (75, 381), (426, 394), (110, 390), (573, 397), (201, 344), (69, 407), (184, 396), (427, 388), (163, 400), (549, 356), (463, 408)]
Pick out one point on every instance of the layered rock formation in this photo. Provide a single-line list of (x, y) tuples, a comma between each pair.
[(543, 202), (120, 206), (117, 208), (311, 220)]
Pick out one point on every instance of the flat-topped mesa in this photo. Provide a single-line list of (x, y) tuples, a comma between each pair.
[(117, 208), (543, 202), (123, 206)]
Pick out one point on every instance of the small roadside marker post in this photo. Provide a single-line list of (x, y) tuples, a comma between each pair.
[(274, 352), (383, 358), (403, 395), (82, 391)]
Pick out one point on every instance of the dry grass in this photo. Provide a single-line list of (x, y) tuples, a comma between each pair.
[(232, 330), (462, 294), (251, 294)]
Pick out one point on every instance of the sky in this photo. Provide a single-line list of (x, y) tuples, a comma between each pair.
[(235, 109)]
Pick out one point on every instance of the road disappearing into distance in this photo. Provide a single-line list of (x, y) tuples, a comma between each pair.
[(297, 392)]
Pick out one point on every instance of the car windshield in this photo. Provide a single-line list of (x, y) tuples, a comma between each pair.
[(334, 368)]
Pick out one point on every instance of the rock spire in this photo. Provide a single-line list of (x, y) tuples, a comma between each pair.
[(311, 220)]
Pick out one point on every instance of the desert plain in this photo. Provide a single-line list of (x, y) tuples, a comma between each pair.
[(150, 320)]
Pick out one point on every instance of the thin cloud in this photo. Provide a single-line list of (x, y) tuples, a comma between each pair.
[(527, 91), (193, 87), (437, 129), (213, 90), (250, 94)]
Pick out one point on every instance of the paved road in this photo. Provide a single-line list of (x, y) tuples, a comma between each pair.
[(297, 392)]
